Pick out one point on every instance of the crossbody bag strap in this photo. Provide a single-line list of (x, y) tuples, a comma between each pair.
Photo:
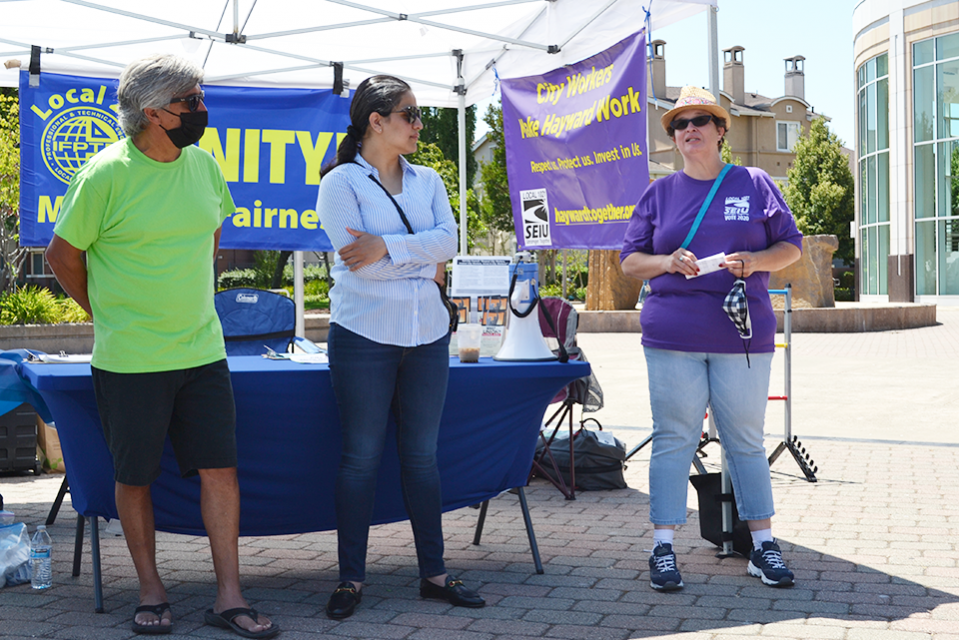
[(702, 210), (389, 195), (454, 314)]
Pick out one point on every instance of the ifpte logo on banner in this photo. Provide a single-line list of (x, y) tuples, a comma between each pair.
[(535, 218), (74, 134)]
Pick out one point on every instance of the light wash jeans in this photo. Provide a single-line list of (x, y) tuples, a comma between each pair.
[(681, 384)]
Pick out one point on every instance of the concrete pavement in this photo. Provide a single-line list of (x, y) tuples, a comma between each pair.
[(873, 543)]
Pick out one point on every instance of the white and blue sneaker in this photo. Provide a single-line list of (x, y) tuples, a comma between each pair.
[(767, 565), (663, 574)]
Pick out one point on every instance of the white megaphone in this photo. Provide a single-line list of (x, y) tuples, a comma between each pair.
[(524, 340)]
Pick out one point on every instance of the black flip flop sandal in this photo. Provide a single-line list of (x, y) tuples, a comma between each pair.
[(153, 629), (226, 620)]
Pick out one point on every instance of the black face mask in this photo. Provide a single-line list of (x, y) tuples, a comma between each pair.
[(192, 126)]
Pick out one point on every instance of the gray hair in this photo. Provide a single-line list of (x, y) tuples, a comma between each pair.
[(150, 83)]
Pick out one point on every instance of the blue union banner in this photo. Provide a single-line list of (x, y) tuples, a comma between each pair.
[(270, 144)]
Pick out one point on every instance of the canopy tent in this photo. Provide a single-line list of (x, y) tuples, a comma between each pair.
[(450, 51), (294, 43)]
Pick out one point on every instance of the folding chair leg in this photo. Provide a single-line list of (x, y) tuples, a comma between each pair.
[(78, 545), (700, 467), (97, 578), (480, 522), (565, 411), (636, 449), (556, 478), (55, 509), (572, 459), (529, 530)]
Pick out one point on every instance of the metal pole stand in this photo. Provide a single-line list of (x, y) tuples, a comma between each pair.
[(706, 438), (726, 488), (726, 498), (790, 442)]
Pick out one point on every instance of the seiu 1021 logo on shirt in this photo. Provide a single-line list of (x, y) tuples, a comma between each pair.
[(737, 209)]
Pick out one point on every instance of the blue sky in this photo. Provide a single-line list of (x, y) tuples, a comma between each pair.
[(770, 30)]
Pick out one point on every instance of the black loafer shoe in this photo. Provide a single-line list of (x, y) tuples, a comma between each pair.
[(453, 592), (343, 601)]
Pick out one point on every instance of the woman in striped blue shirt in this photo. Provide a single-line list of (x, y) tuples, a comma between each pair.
[(393, 230)]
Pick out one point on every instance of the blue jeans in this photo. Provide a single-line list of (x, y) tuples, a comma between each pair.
[(681, 384), (370, 380)]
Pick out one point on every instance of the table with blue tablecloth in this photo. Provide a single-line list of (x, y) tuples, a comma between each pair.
[(288, 442)]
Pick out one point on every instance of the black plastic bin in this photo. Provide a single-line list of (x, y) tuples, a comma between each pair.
[(18, 440)]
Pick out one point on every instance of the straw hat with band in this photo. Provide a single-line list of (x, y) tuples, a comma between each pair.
[(694, 98)]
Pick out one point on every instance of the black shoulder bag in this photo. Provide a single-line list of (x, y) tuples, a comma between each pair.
[(450, 307)]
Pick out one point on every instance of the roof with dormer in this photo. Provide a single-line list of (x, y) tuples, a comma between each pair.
[(755, 104)]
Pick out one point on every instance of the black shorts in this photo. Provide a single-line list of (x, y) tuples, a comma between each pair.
[(193, 406)]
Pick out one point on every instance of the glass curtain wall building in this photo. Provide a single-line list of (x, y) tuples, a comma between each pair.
[(936, 150), (873, 80), (906, 74)]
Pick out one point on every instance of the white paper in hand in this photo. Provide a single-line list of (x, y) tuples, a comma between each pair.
[(709, 264)]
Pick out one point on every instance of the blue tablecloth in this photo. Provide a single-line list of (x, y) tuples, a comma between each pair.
[(288, 442)]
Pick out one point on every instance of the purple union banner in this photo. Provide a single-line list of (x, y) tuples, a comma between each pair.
[(576, 149)]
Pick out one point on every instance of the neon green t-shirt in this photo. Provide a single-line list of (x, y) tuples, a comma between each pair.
[(147, 228)]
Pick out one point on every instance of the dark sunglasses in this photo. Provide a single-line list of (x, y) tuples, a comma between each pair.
[(192, 101), (699, 121), (412, 113)]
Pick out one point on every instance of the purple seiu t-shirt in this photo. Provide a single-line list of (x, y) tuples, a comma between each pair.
[(748, 213)]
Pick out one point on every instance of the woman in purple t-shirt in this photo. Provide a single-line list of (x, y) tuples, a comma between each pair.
[(694, 353)]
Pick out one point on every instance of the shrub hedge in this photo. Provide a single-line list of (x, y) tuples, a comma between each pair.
[(36, 305)]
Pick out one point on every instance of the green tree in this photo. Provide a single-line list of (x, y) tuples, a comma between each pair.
[(430, 155), (11, 254), (496, 207), (441, 126), (821, 188), (726, 153)]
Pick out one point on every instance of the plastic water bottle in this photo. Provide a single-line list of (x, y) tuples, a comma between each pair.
[(41, 552)]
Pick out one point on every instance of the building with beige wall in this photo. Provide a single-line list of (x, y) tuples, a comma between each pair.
[(906, 75), (763, 130)]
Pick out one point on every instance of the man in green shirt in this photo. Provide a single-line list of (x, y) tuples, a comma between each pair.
[(148, 211)]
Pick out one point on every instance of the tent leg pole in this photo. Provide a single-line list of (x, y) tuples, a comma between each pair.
[(298, 293), (461, 117), (713, 44)]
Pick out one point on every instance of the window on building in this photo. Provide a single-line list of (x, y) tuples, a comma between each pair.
[(36, 265), (873, 204), (935, 75), (787, 133)]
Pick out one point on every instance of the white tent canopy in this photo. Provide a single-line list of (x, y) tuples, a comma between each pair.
[(450, 51), (292, 43)]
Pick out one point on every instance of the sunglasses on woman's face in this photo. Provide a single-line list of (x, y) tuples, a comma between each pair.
[(192, 101), (412, 113), (699, 121)]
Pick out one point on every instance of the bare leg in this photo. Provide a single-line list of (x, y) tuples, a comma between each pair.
[(759, 525), (754, 525), (135, 508), (220, 507), (439, 580)]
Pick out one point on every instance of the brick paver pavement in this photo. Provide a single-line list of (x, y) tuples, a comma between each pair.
[(873, 543)]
